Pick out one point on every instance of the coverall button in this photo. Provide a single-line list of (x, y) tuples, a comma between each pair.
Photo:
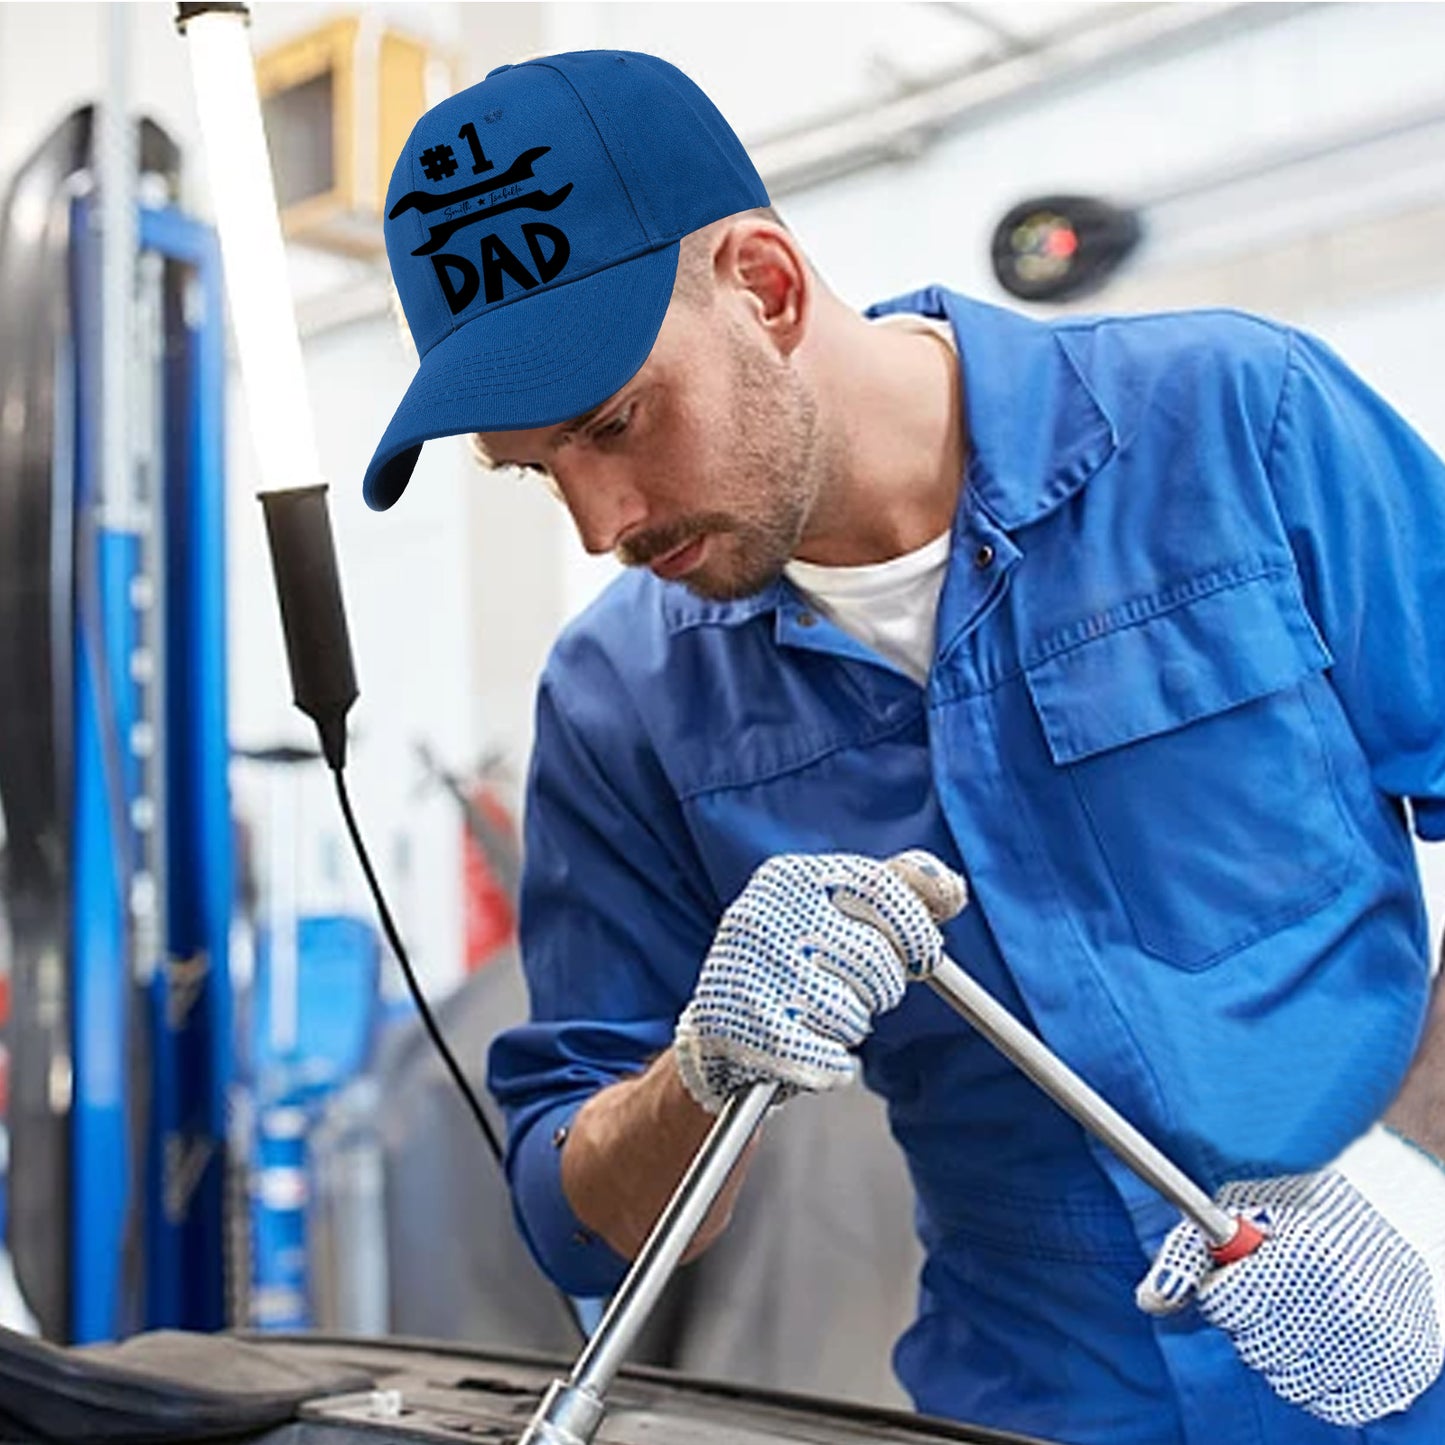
[(806, 619), (983, 557), (559, 1136)]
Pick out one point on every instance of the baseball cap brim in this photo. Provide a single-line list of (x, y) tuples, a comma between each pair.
[(545, 358)]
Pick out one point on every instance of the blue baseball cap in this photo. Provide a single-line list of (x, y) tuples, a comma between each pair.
[(532, 225)]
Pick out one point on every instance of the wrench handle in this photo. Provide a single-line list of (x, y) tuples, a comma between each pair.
[(572, 1409), (1221, 1230), (694, 1196)]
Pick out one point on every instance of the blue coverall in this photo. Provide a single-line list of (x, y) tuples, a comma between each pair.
[(1188, 697)]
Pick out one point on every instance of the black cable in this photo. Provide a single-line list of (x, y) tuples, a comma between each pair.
[(394, 939), (398, 948)]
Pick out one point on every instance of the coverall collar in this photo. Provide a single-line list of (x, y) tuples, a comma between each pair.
[(1037, 432)]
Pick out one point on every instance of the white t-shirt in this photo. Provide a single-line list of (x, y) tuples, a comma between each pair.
[(889, 606)]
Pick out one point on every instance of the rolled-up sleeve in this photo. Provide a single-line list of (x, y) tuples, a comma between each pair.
[(615, 919), (1363, 499)]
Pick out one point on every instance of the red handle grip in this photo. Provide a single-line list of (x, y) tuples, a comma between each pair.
[(1246, 1239)]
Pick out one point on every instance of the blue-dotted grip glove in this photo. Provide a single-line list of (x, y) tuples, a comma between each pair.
[(812, 948), (1340, 1308)]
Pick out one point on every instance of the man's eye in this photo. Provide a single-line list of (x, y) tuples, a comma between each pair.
[(614, 426)]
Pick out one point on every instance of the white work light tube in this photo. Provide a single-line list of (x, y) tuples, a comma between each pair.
[(257, 286)]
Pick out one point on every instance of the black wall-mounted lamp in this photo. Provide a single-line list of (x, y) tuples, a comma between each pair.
[(1056, 248)]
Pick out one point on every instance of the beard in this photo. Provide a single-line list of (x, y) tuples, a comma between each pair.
[(768, 484)]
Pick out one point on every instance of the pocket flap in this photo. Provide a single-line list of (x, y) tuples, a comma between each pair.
[(1160, 662)]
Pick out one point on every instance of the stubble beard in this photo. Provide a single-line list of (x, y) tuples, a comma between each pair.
[(774, 457)]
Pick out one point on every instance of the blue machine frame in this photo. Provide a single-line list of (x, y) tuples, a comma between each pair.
[(149, 1124)]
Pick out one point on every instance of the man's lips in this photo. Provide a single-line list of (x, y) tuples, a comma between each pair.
[(680, 561)]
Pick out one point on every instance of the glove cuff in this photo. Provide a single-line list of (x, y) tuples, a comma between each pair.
[(1407, 1186), (687, 1056)]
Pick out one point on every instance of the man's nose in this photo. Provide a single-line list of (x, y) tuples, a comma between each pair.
[(604, 502)]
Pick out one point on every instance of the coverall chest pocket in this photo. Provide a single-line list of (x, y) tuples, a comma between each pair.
[(1190, 734)]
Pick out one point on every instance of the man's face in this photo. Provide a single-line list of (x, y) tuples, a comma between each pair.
[(704, 467)]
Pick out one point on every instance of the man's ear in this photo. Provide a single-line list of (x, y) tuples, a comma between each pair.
[(760, 266)]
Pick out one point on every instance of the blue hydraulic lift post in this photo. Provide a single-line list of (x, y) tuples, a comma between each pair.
[(180, 1184)]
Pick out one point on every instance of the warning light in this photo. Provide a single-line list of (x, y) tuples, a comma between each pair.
[(1062, 242), (1055, 248)]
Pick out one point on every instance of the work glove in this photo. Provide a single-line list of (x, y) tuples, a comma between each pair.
[(812, 948), (1341, 1307)]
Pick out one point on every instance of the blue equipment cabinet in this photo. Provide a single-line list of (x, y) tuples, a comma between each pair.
[(333, 1011)]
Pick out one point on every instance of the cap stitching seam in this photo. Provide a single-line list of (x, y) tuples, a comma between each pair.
[(647, 227), (651, 225)]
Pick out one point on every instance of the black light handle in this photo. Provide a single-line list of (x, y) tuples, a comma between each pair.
[(187, 12), (318, 645)]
